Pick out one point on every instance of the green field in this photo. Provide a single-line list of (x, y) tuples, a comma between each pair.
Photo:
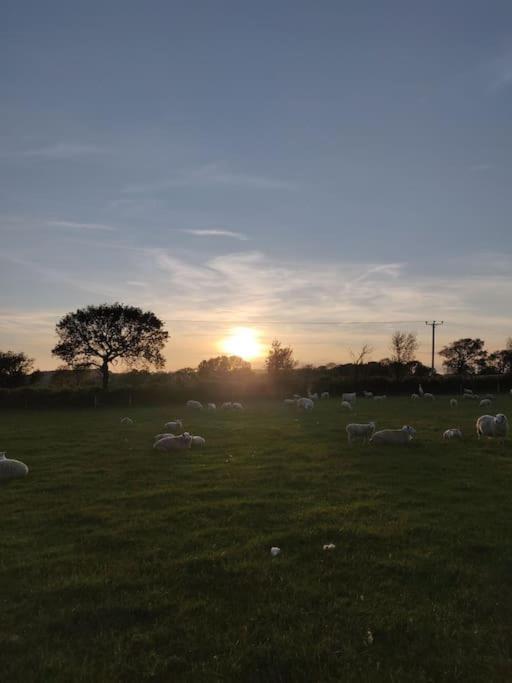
[(119, 563)]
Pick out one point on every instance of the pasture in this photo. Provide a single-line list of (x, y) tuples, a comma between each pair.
[(119, 563)]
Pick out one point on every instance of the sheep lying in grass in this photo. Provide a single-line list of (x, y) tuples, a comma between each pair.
[(360, 431), (211, 406), (174, 427), (453, 403), (485, 402), (393, 436), (196, 405), (174, 443), (11, 469), (126, 421), (452, 434), (198, 442), (305, 404), (495, 426), (325, 394), (346, 405)]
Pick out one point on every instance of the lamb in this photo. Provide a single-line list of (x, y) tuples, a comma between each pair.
[(380, 398), (414, 396), (452, 434), (346, 405), (174, 427), (485, 402), (126, 421), (174, 443), (211, 406), (350, 397), (394, 436), (237, 406), (368, 394), (453, 403), (198, 442), (363, 431), (325, 394), (305, 404), (428, 396), (196, 405), (11, 469), (492, 426)]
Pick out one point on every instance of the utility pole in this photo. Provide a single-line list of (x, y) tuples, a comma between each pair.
[(433, 324)]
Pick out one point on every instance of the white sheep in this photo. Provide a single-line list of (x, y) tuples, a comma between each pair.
[(157, 437), (429, 397), (349, 396), (227, 405), (380, 398), (313, 397), (453, 403), (126, 421), (325, 394), (290, 401), (470, 397), (198, 442), (468, 391), (174, 443), (485, 402), (449, 434), (305, 404), (196, 405), (174, 427), (492, 426), (237, 406), (414, 396), (346, 405), (360, 431), (368, 394), (211, 406), (11, 469), (394, 436)]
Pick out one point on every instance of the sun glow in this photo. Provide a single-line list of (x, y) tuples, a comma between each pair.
[(243, 342)]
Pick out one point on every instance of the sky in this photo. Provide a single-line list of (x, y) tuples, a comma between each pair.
[(270, 164)]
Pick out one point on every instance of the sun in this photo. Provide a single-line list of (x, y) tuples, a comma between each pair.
[(243, 342)]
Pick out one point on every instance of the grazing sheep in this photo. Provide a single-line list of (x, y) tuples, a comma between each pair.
[(174, 443), (350, 397), (415, 396), (325, 394), (290, 401), (485, 402), (211, 406), (126, 421), (174, 427), (346, 405), (196, 405), (198, 442), (452, 434), (11, 469), (305, 404), (453, 403), (227, 405), (368, 394), (237, 406), (360, 431), (492, 426), (394, 436), (380, 398), (428, 396)]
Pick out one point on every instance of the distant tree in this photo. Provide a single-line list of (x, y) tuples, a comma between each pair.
[(500, 361), (14, 368), (403, 348), (184, 376), (464, 356), (223, 365), (358, 359), (279, 359), (72, 376), (98, 336)]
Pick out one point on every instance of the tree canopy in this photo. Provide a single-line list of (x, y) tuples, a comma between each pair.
[(464, 356), (403, 348), (14, 367), (98, 336), (223, 365), (279, 359)]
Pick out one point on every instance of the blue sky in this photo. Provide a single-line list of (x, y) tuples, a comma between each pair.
[(270, 161)]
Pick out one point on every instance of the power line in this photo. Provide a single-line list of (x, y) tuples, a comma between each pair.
[(296, 322)]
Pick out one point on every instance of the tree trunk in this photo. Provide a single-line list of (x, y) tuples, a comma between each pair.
[(104, 375)]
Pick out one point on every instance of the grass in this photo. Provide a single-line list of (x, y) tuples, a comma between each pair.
[(121, 564)]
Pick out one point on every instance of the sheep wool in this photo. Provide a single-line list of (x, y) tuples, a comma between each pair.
[(11, 469)]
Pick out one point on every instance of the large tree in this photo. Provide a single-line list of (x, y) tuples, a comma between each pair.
[(223, 365), (464, 356), (279, 359), (14, 368), (98, 336), (403, 348)]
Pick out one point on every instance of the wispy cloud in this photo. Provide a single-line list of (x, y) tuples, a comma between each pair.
[(212, 175), (63, 150), (74, 225), (217, 233)]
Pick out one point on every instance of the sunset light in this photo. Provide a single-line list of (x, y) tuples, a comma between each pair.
[(243, 342)]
